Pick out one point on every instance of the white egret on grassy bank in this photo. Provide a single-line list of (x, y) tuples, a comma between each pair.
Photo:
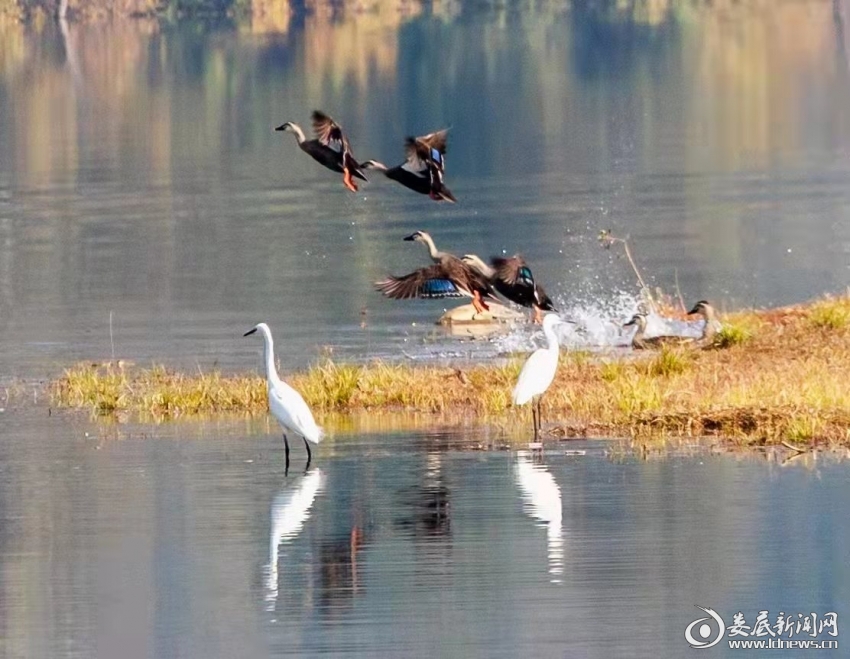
[(539, 371), (286, 404)]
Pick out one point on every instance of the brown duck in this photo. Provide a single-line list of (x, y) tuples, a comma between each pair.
[(512, 278), (330, 148), (448, 277), (423, 168), (712, 323), (641, 342)]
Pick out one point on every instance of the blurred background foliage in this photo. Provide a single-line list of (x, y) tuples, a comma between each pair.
[(277, 13)]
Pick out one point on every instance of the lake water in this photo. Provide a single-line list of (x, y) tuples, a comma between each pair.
[(140, 175), (189, 541), (140, 178)]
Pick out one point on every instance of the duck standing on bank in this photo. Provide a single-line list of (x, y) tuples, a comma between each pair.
[(712, 323), (512, 278), (448, 277), (423, 168), (286, 404), (709, 330), (330, 148), (642, 342)]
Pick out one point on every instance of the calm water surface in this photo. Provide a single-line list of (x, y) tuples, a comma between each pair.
[(189, 541), (139, 173)]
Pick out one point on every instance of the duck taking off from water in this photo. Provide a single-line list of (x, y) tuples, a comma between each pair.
[(330, 148), (538, 372), (286, 404), (448, 277), (423, 168), (512, 278)]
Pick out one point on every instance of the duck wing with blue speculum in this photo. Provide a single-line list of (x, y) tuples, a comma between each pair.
[(448, 277), (424, 166)]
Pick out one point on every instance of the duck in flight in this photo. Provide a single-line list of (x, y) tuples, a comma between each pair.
[(330, 147), (512, 278), (423, 168), (447, 277)]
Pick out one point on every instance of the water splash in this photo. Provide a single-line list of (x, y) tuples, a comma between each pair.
[(595, 324)]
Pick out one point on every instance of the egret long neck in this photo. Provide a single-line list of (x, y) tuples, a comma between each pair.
[(268, 357), (551, 339)]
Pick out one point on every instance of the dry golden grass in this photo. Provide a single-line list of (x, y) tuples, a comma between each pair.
[(781, 376)]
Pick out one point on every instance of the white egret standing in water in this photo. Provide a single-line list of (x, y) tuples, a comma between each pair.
[(286, 404), (538, 372), (291, 508)]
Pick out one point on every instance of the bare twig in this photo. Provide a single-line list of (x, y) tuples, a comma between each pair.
[(793, 448), (607, 239), (678, 290), (111, 339)]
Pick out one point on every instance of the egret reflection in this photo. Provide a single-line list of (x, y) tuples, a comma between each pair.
[(541, 499), (290, 509)]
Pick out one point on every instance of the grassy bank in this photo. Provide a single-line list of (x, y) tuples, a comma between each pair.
[(776, 375)]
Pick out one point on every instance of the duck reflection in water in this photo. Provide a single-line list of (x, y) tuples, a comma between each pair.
[(290, 510), (541, 499), (340, 568), (429, 502)]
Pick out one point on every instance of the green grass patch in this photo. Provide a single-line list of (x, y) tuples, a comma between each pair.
[(785, 382), (831, 313)]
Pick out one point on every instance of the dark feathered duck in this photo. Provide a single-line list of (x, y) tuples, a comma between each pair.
[(712, 323), (423, 168), (512, 278), (642, 342), (447, 277), (330, 148)]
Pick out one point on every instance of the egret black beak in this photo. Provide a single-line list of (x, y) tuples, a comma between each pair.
[(696, 309), (633, 321), (250, 331), (412, 236), (282, 126)]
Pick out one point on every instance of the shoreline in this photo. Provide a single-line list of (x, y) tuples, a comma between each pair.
[(780, 377)]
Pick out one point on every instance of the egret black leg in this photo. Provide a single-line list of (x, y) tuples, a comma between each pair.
[(309, 454), (539, 414), (534, 419), (286, 451)]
